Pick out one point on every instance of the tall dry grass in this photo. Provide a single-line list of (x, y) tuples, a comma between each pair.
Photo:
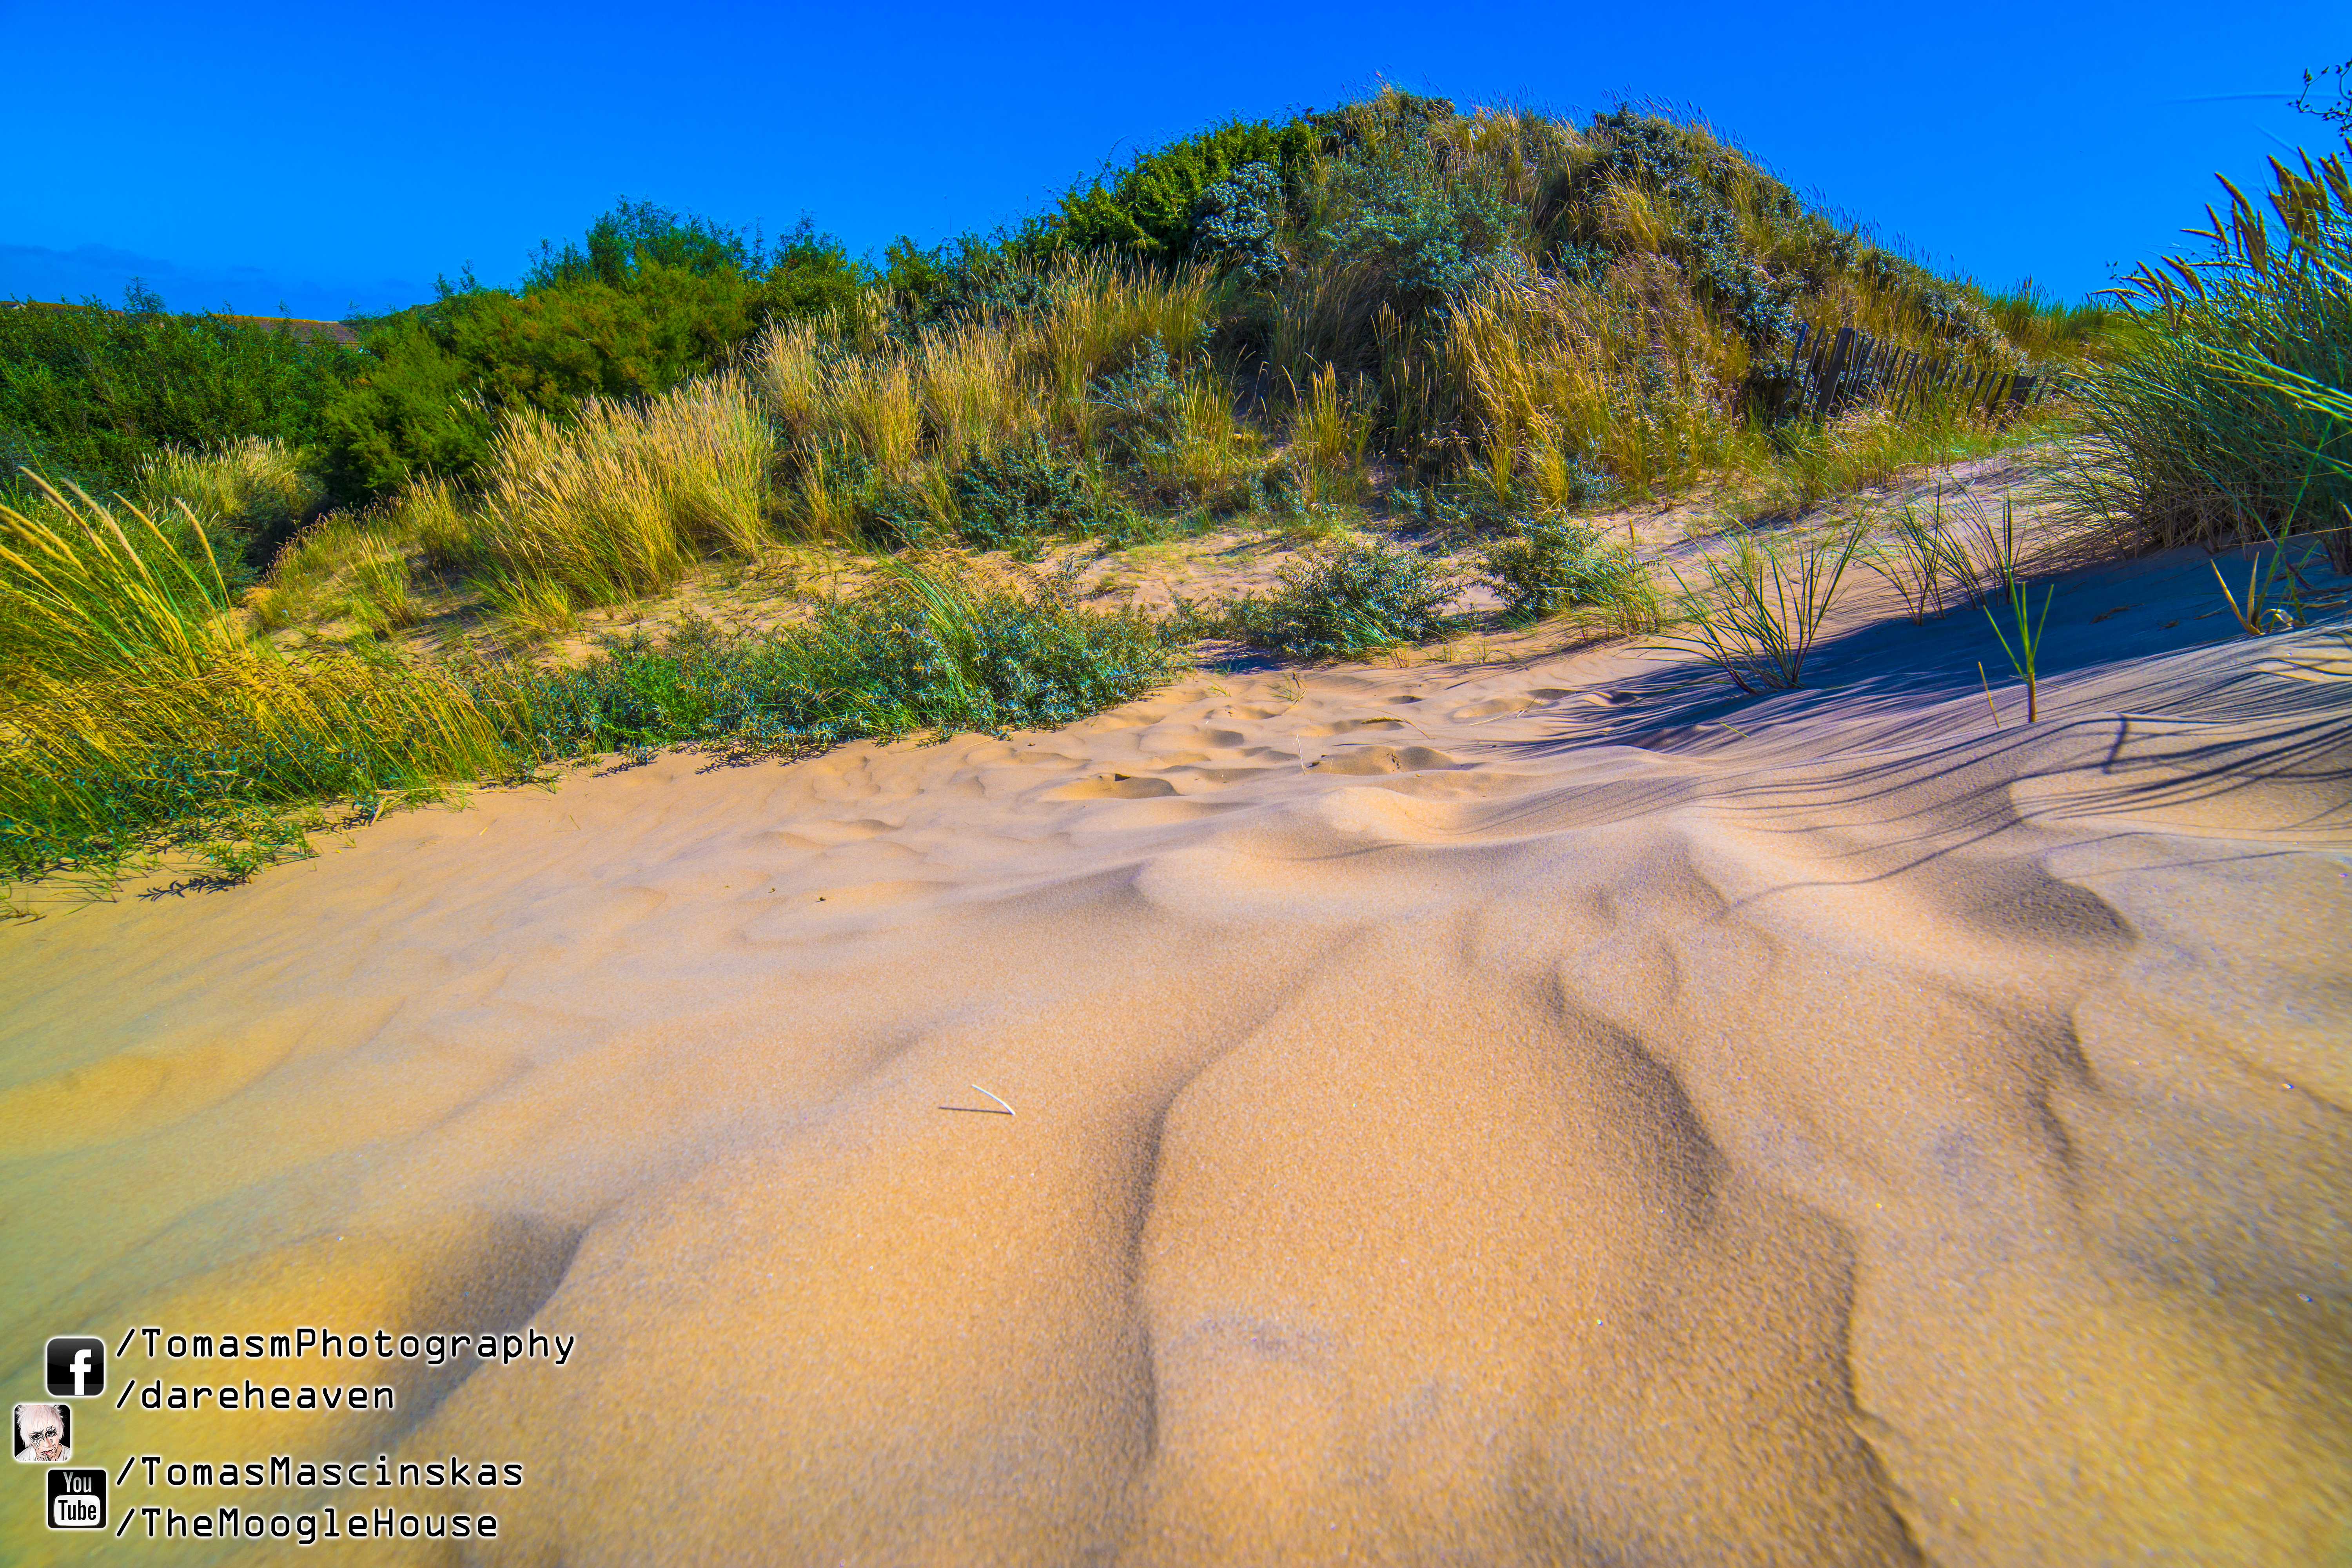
[(856, 408), (1549, 379), (260, 484), (136, 704), (1330, 428), (622, 498)]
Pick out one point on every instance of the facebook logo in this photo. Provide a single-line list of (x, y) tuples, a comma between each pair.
[(77, 1367)]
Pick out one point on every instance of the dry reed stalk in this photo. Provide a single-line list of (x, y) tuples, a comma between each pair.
[(621, 499)]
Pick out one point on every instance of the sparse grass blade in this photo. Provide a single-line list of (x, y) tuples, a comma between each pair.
[(1762, 608), (2024, 656)]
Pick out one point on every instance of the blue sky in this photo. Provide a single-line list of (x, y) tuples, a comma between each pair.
[(333, 156)]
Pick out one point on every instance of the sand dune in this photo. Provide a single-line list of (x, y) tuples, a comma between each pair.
[(1530, 1112)]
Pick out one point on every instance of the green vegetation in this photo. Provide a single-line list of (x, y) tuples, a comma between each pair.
[(2024, 656), (1390, 316), (1561, 564), (919, 651), (2211, 425), (1346, 599), (140, 716), (652, 299), (137, 711), (90, 395)]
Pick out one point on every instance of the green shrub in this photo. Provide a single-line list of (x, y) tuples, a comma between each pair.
[(917, 652), (1551, 567), (970, 279), (1423, 238), (1240, 223), (653, 301), (1347, 599), (1142, 406), (90, 392), (1153, 207)]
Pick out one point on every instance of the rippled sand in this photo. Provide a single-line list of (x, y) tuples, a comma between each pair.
[(1526, 1111)]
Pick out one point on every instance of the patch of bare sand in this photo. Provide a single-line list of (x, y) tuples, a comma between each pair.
[(1536, 1112)]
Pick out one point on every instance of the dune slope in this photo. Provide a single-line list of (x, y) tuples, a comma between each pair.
[(1531, 1112)]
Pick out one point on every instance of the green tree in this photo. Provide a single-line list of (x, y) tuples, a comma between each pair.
[(650, 300)]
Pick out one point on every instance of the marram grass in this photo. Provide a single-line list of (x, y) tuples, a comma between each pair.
[(141, 716), (138, 711)]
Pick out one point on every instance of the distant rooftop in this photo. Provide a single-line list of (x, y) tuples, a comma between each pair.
[(300, 326)]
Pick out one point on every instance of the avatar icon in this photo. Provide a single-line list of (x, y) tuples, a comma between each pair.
[(44, 1433)]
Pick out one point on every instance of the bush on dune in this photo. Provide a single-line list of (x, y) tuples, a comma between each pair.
[(653, 301), (90, 394), (1345, 600), (1564, 564)]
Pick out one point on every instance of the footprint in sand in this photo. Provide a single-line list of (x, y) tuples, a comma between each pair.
[(1365, 760), (1118, 786), (1349, 726), (1492, 707), (1519, 702), (1200, 735)]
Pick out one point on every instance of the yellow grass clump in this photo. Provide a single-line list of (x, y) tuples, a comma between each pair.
[(258, 483), (618, 499), (361, 566), (853, 406), (1554, 377), (134, 696)]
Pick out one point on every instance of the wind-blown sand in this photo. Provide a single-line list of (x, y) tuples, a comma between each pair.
[(1533, 1111)]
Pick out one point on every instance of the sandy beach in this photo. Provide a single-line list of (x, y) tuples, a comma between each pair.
[(1521, 1106)]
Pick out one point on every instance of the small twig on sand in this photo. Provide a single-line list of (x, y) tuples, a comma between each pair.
[(1988, 692), (983, 1110)]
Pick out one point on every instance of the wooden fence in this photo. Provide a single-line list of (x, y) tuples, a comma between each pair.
[(1829, 373)]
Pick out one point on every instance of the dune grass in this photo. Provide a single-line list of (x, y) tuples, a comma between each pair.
[(143, 719), (2009, 589), (618, 501), (139, 714), (1761, 606), (2198, 433), (876, 428)]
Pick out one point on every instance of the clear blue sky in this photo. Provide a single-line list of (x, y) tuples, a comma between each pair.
[(337, 155)]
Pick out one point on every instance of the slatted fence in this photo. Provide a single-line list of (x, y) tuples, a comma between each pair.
[(1827, 374)]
